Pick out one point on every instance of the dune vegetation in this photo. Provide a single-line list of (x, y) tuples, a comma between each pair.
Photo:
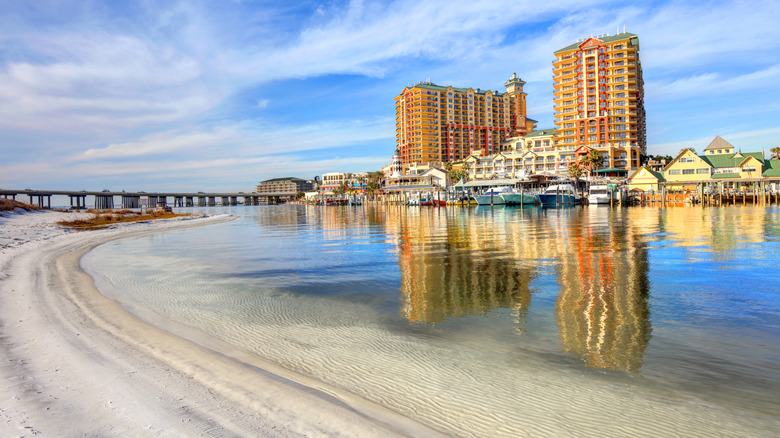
[(106, 218)]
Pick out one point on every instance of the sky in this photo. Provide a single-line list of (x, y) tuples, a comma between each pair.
[(219, 95)]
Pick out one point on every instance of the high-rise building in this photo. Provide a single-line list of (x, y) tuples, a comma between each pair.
[(443, 123), (599, 99)]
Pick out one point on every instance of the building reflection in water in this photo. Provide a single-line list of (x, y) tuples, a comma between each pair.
[(465, 262), (602, 310), (456, 264), (452, 266)]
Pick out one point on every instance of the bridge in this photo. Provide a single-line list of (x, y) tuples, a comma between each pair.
[(105, 199)]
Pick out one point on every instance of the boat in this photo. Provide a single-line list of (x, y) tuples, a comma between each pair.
[(492, 196), (559, 194), (599, 195), (518, 198)]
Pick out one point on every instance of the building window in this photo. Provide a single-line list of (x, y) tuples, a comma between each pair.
[(687, 171), (701, 171), (674, 172)]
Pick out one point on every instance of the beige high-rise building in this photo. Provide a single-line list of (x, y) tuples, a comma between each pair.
[(599, 99), (439, 124)]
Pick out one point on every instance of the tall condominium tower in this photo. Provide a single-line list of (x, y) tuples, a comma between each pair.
[(440, 124), (599, 99)]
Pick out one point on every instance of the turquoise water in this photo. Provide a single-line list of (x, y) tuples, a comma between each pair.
[(488, 321)]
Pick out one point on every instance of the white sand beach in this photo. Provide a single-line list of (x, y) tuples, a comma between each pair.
[(76, 363)]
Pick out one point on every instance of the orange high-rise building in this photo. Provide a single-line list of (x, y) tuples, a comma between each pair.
[(438, 124), (599, 97)]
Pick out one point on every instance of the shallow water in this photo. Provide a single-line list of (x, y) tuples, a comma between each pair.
[(489, 322)]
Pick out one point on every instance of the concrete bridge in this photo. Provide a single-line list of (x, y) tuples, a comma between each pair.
[(105, 199)]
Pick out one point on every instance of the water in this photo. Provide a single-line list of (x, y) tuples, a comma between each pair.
[(488, 322)]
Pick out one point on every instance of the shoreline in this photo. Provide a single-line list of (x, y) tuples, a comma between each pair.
[(79, 363)]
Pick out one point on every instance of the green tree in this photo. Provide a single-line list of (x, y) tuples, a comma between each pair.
[(362, 181), (575, 171), (372, 187), (776, 150), (456, 174), (299, 196), (376, 176), (592, 161)]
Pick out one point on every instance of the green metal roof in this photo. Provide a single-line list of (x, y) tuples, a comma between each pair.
[(659, 175), (606, 39), (431, 86), (289, 178), (771, 168), (730, 160), (540, 132), (724, 175)]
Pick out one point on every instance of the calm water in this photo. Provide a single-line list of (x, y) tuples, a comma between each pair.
[(489, 322)]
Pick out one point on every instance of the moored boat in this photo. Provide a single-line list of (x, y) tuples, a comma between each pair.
[(518, 198), (492, 196), (599, 195), (559, 194)]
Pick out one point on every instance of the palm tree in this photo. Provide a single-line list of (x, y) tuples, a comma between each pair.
[(456, 174), (776, 150), (575, 171), (592, 160)]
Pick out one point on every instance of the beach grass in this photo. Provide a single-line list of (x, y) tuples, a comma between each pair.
[(11, 205), (105, 218)]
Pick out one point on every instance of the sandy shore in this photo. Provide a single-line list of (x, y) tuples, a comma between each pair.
[(75, 363)]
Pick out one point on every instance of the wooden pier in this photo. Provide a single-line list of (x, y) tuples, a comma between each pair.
[(755, 193)]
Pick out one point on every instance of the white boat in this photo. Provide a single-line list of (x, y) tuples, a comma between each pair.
[(559, 194), (492, 196), (599, 195), (518, 198)]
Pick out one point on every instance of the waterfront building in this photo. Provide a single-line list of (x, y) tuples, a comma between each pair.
[(657, 165), (534, 153), (599, 95), (429, 184), (284, 186), (439, 124), (333, 180), (719, 168), (646, 179)]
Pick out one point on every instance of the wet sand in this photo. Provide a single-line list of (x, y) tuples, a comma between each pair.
[(76, 363)]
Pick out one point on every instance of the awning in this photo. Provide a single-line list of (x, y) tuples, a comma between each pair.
[(724, 175), (409, 188), (611, 169), (491, 182)]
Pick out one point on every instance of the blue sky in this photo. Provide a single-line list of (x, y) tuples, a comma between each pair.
[(218, 95)]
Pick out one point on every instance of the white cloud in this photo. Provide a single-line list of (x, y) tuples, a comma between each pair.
[(707, 83)]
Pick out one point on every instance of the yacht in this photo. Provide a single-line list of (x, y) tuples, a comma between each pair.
[(492, 196), (599, 195), (559, 194), (518, 198)]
